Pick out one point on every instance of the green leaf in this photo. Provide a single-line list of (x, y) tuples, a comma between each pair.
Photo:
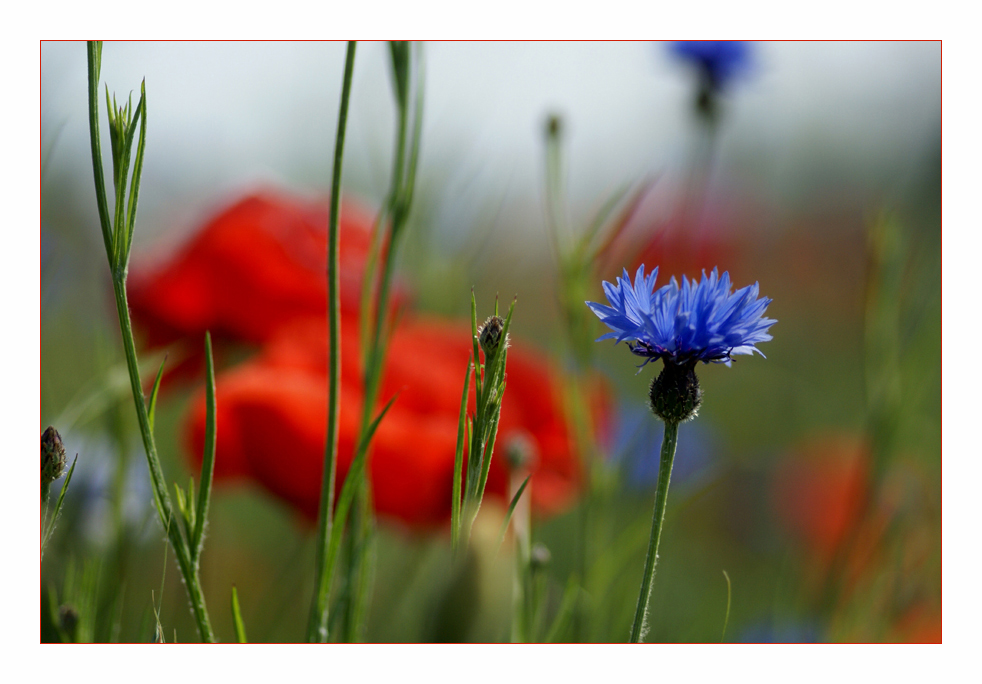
[(477, 356), (565, 611), (57, 511), (152, 404), (94, 50), (511, 510), (349, 488), (458, 464), (240, 633), (726, 620), (141, 116), (208, 460)]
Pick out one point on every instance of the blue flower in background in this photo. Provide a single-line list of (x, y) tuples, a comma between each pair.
[(719, 61), (699, 321), (783, 632), (637, 449)]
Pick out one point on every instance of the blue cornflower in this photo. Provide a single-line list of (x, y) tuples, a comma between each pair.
[(718, 60), (699, 321)]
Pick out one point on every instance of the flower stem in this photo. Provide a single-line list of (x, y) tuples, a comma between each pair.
[(669, 441), (188, 568), (118, 239), (317, 625)]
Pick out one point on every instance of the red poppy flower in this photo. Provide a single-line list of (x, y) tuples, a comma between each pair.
[(256, 266), (818, 490), (272, 414)]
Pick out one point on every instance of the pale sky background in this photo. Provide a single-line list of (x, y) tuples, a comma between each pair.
[(226, 116)]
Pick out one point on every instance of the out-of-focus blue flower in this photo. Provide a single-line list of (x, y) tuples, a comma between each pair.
[(699, 321), (718, 60), (782, 632), (637, 448)]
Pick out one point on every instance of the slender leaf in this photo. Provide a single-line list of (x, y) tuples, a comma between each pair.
[(565, 611), (458, 464), (511, 510), (94, 50), (141, 116), (208, 461), (57, 511), (152, 404), (240, 633), (726, 620), (348, 490)]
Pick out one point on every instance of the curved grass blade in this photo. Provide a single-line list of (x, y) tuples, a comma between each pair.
[(240, 633), (57, 511), (458, 464), (208, 461), (152, 404), (511, 511), (729, 591), (565, 612)]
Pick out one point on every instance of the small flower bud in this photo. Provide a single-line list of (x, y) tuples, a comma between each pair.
[(490, 335), (675, 394), (539, 557), (68, 620), (521, 450), (52, 456), (554, 126)]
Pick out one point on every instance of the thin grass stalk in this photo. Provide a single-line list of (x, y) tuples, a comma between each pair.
[(317, 628), (118, 266), (399, 203)]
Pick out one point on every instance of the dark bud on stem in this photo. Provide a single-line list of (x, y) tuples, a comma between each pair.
[(675, 394), (554, 126), (490, 335), (68, 621), (52, 456)]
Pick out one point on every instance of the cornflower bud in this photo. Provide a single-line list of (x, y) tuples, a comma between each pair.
[(489, 335), (52, 456)]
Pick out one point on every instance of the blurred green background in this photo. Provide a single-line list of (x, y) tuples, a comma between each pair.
[(822, 182)]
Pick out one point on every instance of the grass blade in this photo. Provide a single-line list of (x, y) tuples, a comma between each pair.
[(458, 464), (57, 511), (729, 591), (152, 404), (141, 115), (240, 633), (565, 611), (208, 460), (511, 510), (94, 48)]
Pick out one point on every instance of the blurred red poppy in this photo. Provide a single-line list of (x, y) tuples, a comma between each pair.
[(254, 267), (272, 414), (920, 624), (818, 490)]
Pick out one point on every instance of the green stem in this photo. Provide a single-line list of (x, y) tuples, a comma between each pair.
[(398, 202), (317, 625), (669, 441), (189, 570)]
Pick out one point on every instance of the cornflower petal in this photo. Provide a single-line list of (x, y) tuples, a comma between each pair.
[(698, 321)]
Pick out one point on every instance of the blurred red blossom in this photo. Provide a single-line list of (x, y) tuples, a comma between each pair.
[(272, 412), (254, 267), (818, 490), (256, 274)]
